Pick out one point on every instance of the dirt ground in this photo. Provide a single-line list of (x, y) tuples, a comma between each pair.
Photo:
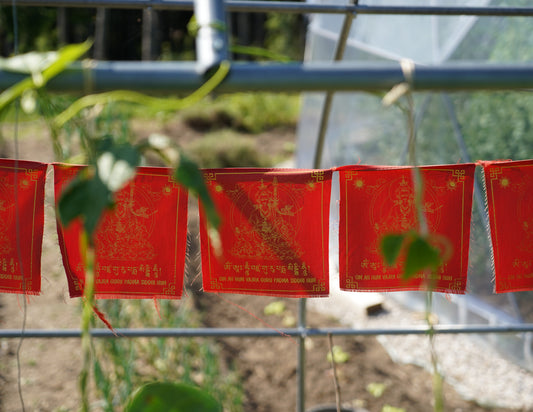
[(269, 365), (49, 368)]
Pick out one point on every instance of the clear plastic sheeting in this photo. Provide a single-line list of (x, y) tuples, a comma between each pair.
[(451, 127), (423, 39)]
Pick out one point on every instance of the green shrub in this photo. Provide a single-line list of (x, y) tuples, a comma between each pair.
[(246, 112), (226, 149)]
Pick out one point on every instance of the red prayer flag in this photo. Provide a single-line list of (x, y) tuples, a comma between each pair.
[(274, 232), (376, 201), (22, 216), (139, 244), (509, 187)]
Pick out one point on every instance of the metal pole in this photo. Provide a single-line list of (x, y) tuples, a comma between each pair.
[(340, 47), (285, 7), (319, 149), (101, 33), (296, 7), (262, 332), (483, 213), (478, 192), (176, 77), (212, 36), (149, 42), (300, 367)]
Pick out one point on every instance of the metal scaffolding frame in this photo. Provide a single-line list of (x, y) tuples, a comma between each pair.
[(212, 49), (261, 332), (173, 77), (297, 7)]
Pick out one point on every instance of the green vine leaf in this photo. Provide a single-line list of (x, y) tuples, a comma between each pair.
[(86, 197), (171, 397), (188, 174), (421, 255), (66, 55), (391, 246)]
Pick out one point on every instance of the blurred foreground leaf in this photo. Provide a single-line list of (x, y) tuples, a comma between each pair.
[(116, 163), (421, 256), (90, 193), (188, 174), (391, 245), (171, 397), (41, 66), (155, 103), (86, 197)]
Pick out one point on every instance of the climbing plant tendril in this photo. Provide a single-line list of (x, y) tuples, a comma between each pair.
[(111, 164), (163, 104), (420, 254)]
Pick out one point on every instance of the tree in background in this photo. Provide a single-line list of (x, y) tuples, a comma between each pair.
[(142, 34)]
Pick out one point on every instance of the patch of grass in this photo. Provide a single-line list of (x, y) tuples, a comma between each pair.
[(225, 148), (122, 365), (246, 112)]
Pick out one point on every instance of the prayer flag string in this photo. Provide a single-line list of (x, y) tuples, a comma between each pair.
[(274, 235)]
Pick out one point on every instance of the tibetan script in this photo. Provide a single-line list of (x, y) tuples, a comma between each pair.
[(376, 201), (139, 244), (274, 232)]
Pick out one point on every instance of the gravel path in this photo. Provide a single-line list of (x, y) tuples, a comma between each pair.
[(475, 369)]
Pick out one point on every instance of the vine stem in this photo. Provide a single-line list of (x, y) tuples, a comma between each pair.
[(423, 230), (88, 304), (138, 98), (14, 15), (335, 378), (438, 395)]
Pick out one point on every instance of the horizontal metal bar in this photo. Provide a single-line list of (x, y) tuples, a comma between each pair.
[(176, 77), (446, 11), (296, 7), (285, 7), (262, 332)]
